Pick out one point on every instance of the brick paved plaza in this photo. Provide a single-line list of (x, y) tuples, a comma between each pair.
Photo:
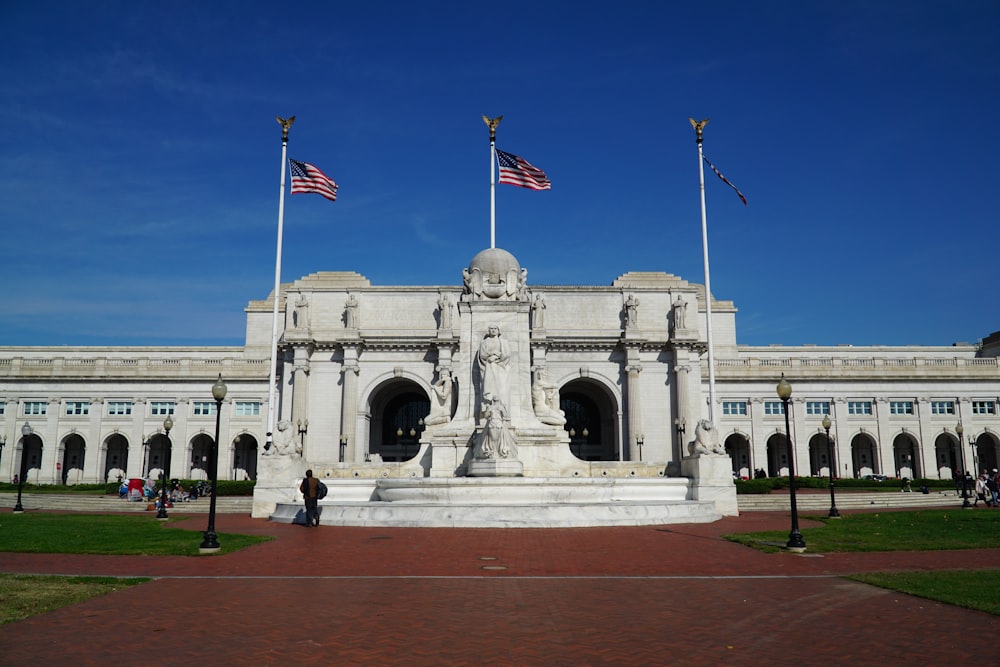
[(668, 595)]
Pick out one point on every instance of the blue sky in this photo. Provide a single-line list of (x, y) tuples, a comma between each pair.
[(140, 157)]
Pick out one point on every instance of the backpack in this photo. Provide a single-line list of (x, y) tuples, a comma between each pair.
[(321, 491)]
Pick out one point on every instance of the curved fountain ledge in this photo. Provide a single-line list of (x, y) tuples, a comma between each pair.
[(505, 503)]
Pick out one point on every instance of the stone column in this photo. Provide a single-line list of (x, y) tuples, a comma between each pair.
[(300, 392), (634, 409), (349, 408), (683, 419), (94, 453)]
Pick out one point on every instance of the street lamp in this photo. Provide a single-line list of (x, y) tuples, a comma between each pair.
[(795, 541), (959, 429), (26, 431), (211, 542), (834, 514), (975, 453), (343, 447), (168, 424)]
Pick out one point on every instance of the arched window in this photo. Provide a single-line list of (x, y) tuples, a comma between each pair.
[(398, 412), (589, 421)]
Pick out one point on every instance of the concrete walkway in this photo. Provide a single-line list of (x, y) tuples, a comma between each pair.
[(669, 595)]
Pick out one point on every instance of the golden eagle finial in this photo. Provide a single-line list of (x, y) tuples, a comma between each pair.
[(492, 124), (698, 126), (285, 124)]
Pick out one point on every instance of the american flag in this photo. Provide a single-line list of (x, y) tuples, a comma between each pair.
[(518, 171), (308, 178), (725, 180)]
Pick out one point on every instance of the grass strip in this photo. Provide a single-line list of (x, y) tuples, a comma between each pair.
[(971, 589), (107, 534), (923, 530), (24, 595)]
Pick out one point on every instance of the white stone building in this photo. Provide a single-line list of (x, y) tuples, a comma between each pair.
[(379, 381)]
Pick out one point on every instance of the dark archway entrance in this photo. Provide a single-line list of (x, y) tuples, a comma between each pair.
[(590, 420), (244, 457), (115, 458), (738, 448), (398, 411), (71, 466)]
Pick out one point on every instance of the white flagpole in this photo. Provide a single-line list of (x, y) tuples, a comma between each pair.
[(698, 127), (272, 383), (492, 123)]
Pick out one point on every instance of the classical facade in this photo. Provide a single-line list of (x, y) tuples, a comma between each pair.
[(494, 377)]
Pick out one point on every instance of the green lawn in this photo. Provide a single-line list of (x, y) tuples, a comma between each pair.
[(925, 530), (107, 534), (24, 595), (972, 589)]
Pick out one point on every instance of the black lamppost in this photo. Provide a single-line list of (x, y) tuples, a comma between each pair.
[(26, 431), (343, 447), (975, 453), (959, 429), (795, 541), (211, 542), (834, 514), (168, 424)]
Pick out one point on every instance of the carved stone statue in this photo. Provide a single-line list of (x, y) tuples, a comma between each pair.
[(441, 405), (284, 443), (496, 441), (351, 312), (300, 316), (680, 313), (538, 312), (631, 311), (494, 365), (706, 439), (444, 312), (545, 399)]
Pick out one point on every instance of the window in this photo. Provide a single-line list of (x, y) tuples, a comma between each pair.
[(119, 407), (774, 408), (36, 407), (900, 407), (3, 407), (161, 408), (942, 408), (252, 408), (204, 408), (78, 407), (818, 408), (984, 408), (859, 407)]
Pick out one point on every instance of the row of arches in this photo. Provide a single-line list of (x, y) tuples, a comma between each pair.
[(159, 455), (907, 458)]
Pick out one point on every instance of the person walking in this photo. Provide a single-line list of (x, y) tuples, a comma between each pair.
[(310, 493)]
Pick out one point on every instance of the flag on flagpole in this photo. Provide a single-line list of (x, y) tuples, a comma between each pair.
[(725, 180), (515, 170), (308, 178)]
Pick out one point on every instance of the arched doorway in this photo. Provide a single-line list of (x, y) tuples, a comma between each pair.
[(777, 455), (115, 458), (738, 448), (160, 456), (74, 449), (985, 452), (863, 455), (30, 462), (244, 457), (946, 456), (398, 410), (590, 420), (904, 454), (201, 457), (819, 456)]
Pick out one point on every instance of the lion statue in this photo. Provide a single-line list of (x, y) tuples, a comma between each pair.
[(706, 439)]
